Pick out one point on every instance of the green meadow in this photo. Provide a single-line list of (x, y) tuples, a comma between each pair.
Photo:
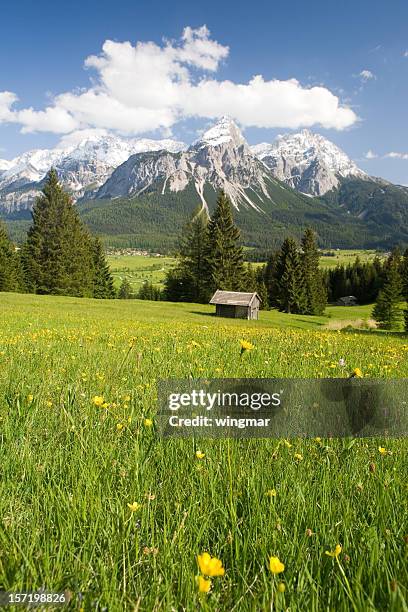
[(94, 502)]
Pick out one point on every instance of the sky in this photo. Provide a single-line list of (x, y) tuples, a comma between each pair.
[(169, 69)]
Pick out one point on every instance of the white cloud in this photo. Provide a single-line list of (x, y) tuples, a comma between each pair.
[(367, 75), (145, 87), (394, 155), (405, 54), (371, 155)]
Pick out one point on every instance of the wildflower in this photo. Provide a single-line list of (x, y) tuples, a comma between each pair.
[(298, 456), (204, 585), (356, 373), (309, 533), (119, 426), (246, 346), (342, 362), (126, 398), (148, 422), (382, 450), (335, 553), (134, 506), (30, 398), (287, 443), (271, 493), (281, 587), (210, 566), (98, 400), (200, 454), (275, 565), (49, 404)]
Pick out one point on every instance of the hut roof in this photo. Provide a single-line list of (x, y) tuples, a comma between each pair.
[(233, 298)]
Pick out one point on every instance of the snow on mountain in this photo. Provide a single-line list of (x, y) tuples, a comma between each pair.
[(82, 167), (307, 162), (221, 158)]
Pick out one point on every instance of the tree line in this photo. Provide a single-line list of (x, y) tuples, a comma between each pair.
[(59, 256)]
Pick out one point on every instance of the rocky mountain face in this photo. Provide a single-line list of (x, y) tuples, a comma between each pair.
[(221, 159), (82, 168), (307, 162)]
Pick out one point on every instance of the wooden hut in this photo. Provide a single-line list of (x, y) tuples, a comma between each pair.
[(236, 305)]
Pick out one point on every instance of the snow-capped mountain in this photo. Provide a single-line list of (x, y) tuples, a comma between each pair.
[(82, 167), (220, 159), (307, 162)]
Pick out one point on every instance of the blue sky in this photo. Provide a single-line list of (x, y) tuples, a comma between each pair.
[(349, 60)]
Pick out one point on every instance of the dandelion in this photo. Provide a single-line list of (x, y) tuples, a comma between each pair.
[(147, 422), (271, 493), (382, 450), (210, 566), (203, 584), (119, 426), (126, 398), (334, 553), (298, 456), (356, 373), (281, 587), (134, 506), (275, 565), (200, 455), (287, 443), (246, 346), (98, 400), (30, 398)]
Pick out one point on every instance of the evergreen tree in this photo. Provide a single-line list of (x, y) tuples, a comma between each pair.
[(315, 290), (57, 256), (10, 268), (149, 292), (102, 278), (125, 290), (224, 260), (387, 311), (271, 279), (291, 291), (404, 274)]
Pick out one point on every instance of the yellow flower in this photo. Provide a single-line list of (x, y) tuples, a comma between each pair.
[(246, 346), (200, 454), (298, 456), (335, 553), (210, 566), (148, 422), (98, 400), (203, 585), (275, 565), (49, 404), (119, 426), (134, 506), (30, 398), (126, 398), (382, 450), (356, 373), (287, 443), (271, 493), (281, 587)]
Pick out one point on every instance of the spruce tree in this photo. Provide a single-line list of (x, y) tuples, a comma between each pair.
[(271, 279), (58, 254), (102, 278), (10, 268), (291, 291), (315, 290), (125, 290), (387, 311), (224, 260)]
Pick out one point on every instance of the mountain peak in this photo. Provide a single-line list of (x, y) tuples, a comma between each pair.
[(224, 131)]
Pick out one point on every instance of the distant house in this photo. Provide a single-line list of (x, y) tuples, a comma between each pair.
[(347, 300), (236, 304)]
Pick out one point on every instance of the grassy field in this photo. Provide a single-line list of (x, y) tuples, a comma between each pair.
[(71, 470), (140, 268)]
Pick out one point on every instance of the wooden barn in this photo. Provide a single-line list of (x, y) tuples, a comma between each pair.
[(236, 305)]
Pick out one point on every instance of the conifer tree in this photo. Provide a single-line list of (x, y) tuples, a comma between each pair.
[(10, 268), (57, 256), (102, 278), (271, 279), (224, 258), (315, 290), (387, 311), (125, 290), (291, 291)]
